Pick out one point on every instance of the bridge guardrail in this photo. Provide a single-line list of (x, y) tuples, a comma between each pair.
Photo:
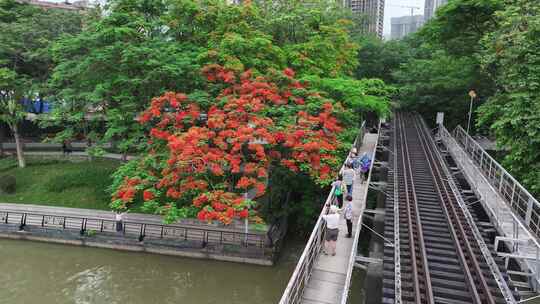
[(490, 184), (132, 229), (525, 206), (300, 277), (352, 258)]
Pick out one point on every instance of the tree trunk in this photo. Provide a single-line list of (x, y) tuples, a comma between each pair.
[(2, 139), (18, 146)]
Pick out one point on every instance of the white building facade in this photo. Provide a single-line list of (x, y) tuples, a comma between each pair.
[(373, 10)]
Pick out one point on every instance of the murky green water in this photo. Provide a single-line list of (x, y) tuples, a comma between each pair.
[(32, 272)]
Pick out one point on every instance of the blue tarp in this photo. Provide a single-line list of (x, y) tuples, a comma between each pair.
[(36, 106)]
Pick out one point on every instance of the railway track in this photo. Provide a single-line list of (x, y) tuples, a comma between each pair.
[(440, 260)]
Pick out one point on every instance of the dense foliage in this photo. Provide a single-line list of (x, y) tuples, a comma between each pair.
[(140, 49), (490, 46), (26, 36), (255, 125), (511, 56), (266, 86)]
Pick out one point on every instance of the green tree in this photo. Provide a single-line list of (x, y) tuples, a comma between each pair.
[(26, 35), (11, 111), (511, 55), (379, 59), (444, 62), (115, 66)]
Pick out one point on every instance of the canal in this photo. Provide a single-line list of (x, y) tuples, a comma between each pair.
[(33, 272)]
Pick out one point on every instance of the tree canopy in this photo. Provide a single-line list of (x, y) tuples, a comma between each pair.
[(490, 46), (511, 56), (177, 81)]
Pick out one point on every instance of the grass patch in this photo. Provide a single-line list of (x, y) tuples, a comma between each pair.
[(57, 183)]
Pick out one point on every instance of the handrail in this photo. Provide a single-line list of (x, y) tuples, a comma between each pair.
[(490, 261), (462, 157), (352, 258), (141, 229), (526, 207), (299, 279)]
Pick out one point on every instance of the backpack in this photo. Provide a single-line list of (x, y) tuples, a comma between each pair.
[(338, 191)]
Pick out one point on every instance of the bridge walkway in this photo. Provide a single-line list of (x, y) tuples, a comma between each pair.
[(330, 274)]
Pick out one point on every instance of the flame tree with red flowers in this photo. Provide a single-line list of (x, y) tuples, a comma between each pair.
[(214, 163)]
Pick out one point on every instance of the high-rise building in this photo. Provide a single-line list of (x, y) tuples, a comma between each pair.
[(431, 7), (373, 10), (403, 26)]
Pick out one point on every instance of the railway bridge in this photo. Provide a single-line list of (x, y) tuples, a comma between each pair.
[(456, 227)]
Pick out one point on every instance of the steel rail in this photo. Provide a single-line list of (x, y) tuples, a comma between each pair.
[(397, 246), (490, 261), (519, 196), (454, 220), (464, 160), (410, 188)]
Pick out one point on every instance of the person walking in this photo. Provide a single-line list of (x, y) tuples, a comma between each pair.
[(332, 230), (365, 164), (348, 215), (348, 178), (338, 190), (355, 161)]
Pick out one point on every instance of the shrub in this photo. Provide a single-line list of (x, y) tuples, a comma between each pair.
[(8, 184)]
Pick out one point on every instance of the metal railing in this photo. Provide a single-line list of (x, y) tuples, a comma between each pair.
[(130, 229), (358, 223), (522, 242), (300, 277), (525, 206)]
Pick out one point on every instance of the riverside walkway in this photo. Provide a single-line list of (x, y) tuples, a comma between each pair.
[(139, 232), (325, 279)]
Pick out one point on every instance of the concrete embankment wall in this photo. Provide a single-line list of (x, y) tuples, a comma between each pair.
[(174, 247)]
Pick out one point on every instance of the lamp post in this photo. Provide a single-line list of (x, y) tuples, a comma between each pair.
[(472, 94)]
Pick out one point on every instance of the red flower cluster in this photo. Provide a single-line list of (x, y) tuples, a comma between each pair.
[(241, 135), (127, 191), (220, 205)]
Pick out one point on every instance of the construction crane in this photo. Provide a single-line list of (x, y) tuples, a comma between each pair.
[(406, 6)]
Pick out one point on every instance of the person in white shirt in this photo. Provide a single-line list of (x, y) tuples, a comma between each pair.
[(332, 230), (348, 177), (119, 218), (348, 213)]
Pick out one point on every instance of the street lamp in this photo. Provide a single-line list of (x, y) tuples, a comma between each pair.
[(472, 94)]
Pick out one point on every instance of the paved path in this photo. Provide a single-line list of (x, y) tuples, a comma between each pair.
[(55, 154), (55, 150), (330, 272)]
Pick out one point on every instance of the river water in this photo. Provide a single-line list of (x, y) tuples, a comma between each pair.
[(32, 272)]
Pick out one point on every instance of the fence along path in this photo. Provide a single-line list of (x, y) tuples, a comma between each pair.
[(318, 278), (140, 226)]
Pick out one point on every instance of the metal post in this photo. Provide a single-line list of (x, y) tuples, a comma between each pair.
[(473, 95), (528, 212), (537, 274)]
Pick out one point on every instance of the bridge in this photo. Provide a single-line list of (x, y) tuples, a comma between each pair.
[(457, 227)]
